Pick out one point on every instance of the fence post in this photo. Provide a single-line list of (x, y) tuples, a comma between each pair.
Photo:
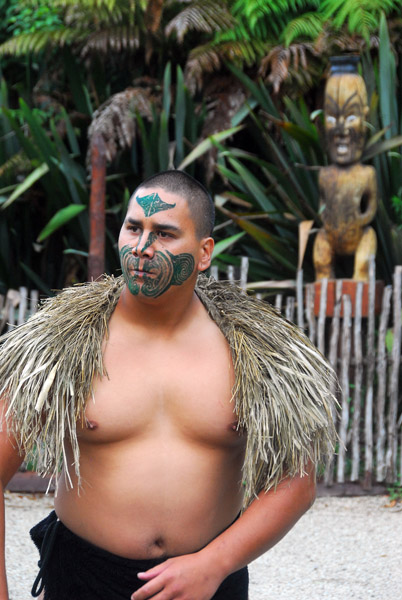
[(343, 427), (393, 380), (358, 371), (368, 414), (322, 316), (299, 295), (382, 383), (333, 359)]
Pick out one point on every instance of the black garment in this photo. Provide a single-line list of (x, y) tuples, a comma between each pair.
[(74, 569)]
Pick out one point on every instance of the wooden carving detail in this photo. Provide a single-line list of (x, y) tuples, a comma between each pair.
[(348, 189)]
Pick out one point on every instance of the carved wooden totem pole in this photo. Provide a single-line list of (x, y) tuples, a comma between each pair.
[(348, 189)]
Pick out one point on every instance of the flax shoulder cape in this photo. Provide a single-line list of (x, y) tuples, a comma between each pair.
[(281, 394)]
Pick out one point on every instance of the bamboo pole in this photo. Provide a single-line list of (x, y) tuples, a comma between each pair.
[(358, 378), (333, 359), (391, 455), (345, 362), (370, 354), (382, 383)]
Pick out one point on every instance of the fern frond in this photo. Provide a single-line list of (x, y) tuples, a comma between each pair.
[(36, 41), (92, 5), (359, 16), (116, 39), (201, 60), (206, 16), (308, 26), (283, 61), (115, 119), (76, 16), (153, 15), (16, 165)]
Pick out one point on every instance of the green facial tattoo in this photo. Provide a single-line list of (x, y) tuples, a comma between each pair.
[(152, 204), (165, 269)]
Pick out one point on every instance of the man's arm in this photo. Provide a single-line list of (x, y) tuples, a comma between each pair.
[(263, 524), (10, 460)]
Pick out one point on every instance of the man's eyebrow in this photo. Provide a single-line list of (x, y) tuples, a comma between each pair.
[(155, 226)]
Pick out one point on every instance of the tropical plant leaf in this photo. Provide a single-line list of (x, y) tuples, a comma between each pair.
[(59, 219), (381, 147), (207, 145), (225, 244), (26, 184)]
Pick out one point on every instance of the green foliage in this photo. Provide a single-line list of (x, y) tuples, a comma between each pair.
[(51, 174), (306, 27), (396, 202), (33, 16), (276, 188), (386, 105), (360, 16), (44, 221), (395, 493)]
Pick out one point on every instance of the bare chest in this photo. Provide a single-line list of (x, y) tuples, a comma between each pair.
[(170, 390)]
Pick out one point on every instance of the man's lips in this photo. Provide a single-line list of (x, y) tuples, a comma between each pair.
[(136, 272)]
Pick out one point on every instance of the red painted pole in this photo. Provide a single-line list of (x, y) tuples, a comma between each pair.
[(96, 258)]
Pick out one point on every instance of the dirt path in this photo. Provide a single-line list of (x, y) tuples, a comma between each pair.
[(342, 549)]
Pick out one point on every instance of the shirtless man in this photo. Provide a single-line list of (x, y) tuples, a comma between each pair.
[(160, 453)]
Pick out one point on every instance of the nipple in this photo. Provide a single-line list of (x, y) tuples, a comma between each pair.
[(91, 424)]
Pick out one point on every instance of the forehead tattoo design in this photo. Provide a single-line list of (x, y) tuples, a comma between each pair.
[(153, 203), (164, 270)]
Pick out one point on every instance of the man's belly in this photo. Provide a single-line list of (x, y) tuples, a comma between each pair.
[(147, 500)]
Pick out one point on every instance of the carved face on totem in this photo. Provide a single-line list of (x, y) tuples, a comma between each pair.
[(345, 111), (158, 245)]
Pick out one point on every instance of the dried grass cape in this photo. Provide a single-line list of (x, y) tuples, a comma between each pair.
[(281, 393)]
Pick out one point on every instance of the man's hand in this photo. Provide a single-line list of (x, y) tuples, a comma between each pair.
[(186, 577)]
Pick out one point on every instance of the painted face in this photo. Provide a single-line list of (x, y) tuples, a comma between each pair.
[(345, 111), (157, 243)]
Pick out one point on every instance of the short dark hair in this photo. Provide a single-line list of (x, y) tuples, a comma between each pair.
[(198, 198)]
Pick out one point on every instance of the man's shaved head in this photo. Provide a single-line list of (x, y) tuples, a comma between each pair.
[(199, 201)]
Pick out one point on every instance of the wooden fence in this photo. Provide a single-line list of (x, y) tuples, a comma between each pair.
[(365, 351)]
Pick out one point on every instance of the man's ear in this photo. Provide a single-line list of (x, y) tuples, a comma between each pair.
[(205, 253)]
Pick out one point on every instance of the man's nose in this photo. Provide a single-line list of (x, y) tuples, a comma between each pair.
[(145, 246)]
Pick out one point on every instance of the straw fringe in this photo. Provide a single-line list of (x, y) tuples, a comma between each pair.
[(281, 394)]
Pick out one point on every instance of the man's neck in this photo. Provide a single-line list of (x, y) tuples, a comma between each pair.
[(165, 314)]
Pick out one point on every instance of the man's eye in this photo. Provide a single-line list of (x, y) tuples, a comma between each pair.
[(163, 234)]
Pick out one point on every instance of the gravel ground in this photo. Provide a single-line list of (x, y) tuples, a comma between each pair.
[(343, 548)]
